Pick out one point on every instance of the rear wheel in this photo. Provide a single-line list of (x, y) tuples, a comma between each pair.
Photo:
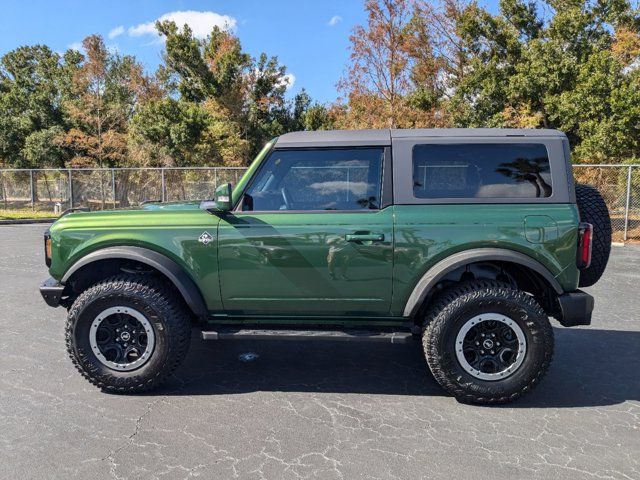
[(127, 333), (486, 342)]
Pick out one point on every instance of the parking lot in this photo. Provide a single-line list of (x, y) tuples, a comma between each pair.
[(313, 410)]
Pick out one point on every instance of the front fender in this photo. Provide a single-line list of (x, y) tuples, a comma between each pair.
[(170, 269)]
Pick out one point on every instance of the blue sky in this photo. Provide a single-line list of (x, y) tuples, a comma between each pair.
[(310, 37)]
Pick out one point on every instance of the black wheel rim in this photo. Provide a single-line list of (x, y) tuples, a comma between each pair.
[(122, 338), (490, 346)]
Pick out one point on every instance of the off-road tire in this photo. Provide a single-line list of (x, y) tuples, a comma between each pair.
[(453, 308), (593, 210), (159, 304)]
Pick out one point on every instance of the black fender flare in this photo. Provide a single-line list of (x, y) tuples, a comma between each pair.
[(440, 269), (176, 274)]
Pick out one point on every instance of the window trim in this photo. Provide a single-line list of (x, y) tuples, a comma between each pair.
[(505, 199), (403, 170), (386, 166)]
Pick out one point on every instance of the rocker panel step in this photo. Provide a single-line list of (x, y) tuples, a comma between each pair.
[(297, 335)]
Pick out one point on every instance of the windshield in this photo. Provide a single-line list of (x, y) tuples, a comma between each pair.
[(239, 188)]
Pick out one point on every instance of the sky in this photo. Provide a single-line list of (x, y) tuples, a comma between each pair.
[(310, 37)]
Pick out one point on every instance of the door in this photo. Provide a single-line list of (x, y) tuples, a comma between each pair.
[(309, 237)]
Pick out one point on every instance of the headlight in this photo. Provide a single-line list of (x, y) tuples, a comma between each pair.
[(47, 249)]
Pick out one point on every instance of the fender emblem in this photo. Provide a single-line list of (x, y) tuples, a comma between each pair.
[(205, 238)]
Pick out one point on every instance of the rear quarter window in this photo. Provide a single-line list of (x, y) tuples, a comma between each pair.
[(481, 170)]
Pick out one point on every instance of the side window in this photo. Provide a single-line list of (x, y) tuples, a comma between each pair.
[(481, 170), (322, 179)]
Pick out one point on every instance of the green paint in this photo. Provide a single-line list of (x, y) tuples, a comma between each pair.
[(289, 265), (301, 262), (424, 235)]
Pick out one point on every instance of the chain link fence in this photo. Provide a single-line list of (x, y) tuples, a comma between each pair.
[(98, 189), (620, 187), (53, 190)]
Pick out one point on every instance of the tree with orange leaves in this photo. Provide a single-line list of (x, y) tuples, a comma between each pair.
[(392, 71), (104, 93)]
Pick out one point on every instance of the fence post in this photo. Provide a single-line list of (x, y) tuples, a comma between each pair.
[(163, 186), (103, 200), (31, 188), (70, 189), (626, 210), (113, 186)]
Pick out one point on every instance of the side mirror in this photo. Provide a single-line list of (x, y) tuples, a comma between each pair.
[(222, 199)]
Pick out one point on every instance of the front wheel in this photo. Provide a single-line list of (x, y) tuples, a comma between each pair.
[(486, 342), (126, 334)]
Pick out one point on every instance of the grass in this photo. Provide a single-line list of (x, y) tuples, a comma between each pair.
[(24, 214)]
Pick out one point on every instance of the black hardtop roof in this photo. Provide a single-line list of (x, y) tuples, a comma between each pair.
[(384, 136)]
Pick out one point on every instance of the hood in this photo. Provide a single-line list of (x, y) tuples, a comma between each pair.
[(150, 214), (191, 205), (146, 207)]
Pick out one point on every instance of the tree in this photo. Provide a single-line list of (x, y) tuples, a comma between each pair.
[(393, 78), (246, 94), (209, 103), (186, 133), (575, 68), (104, 92), (31, 110), (379, 70), (41, 148)]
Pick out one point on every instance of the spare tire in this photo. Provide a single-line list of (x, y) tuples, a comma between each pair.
[(593, 210)]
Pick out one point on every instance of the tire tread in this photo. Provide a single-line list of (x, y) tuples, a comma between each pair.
[(148, 289), (439, 314), (593, 209)]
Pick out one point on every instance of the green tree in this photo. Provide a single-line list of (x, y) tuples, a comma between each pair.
[(31, 106), (181, 133), (574, 68), (317, 117), (246, 94)]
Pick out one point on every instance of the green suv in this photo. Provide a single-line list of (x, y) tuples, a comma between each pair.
[(467, 239)]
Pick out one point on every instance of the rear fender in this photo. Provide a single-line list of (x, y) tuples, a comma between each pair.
[(442, 268)]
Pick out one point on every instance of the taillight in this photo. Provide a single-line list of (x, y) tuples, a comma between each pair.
[(585, 242)]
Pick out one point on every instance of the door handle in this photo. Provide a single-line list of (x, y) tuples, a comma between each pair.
[(364, 237)]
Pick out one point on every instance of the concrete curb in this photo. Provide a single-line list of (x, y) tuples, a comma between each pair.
[(27, 221)]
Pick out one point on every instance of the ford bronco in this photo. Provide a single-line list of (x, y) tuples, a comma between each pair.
[(467, 239)]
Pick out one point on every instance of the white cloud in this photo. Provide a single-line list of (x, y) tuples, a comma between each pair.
[(200, 23), (288, 80), (631, 67), (333, 21), (119, 30)]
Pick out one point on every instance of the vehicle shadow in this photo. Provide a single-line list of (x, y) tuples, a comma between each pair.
[(591, 368)]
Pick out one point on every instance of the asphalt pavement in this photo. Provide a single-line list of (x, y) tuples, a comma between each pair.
[(285, 410)]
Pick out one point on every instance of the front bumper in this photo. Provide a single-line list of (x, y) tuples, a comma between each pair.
[(575, 308), (51, 290)]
